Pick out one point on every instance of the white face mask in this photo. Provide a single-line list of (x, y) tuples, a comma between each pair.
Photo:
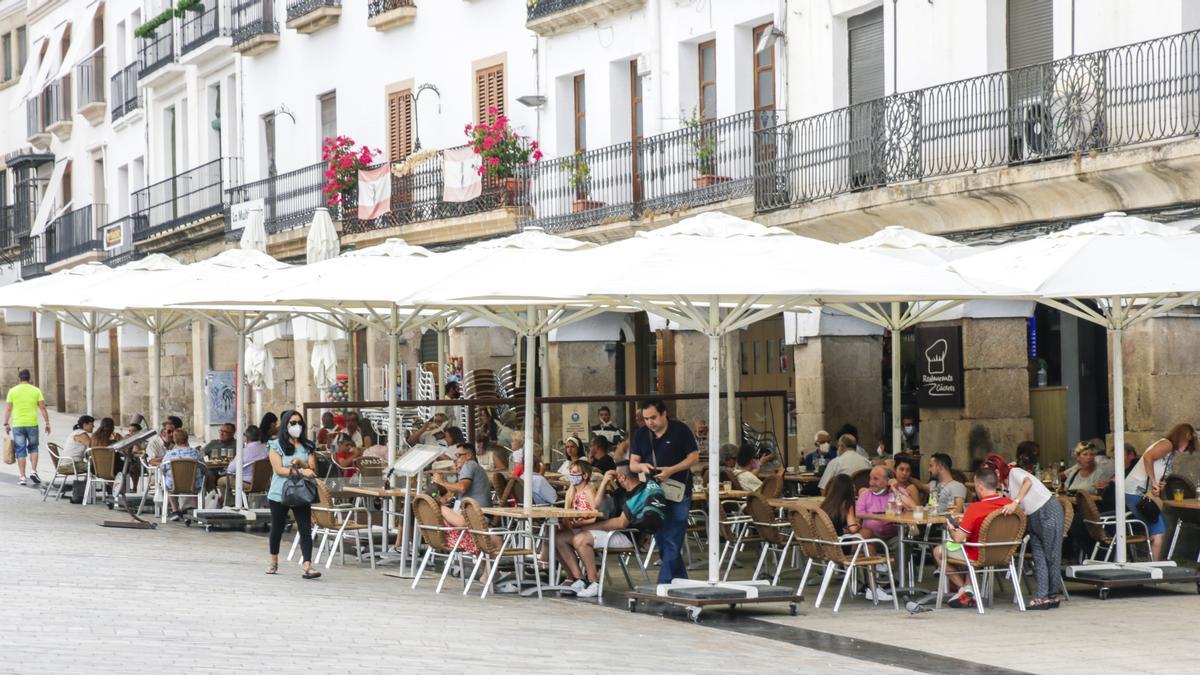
[(908, 431), (824, 447), (294, 430)]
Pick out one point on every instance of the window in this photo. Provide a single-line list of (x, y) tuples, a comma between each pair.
[(764, 80), (708, 80), (580, 114), (635, 125), (7, 45), (268, 122), (22, 48), (489, 91), (400, 123), (327, 103)]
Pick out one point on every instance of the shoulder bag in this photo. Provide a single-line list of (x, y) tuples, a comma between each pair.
[(672, 489), (298, 490), (1149, 507)]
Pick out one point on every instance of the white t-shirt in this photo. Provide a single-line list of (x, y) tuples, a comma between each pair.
[(1135, 482), (1038, 493), (942, 495), (747, 480)]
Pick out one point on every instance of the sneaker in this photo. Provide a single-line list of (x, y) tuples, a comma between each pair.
[(591, 591), (578, 586), (961, 600), (881, 595), (881, 568), (175, 516), (34, 477), (21, 480)]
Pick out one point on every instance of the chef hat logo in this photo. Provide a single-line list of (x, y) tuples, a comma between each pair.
[(935, 356)]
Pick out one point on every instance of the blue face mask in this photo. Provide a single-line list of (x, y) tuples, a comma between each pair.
[(575, 479)]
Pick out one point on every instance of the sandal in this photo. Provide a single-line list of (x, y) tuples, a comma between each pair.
[(310, 573), (272, 568)]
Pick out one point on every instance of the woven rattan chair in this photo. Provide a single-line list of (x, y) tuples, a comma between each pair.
[(340, 524), (838, 561), (260, 479), (61, 473), (101, 472), (491, 551), (776, 535), (1100, 529), (772, 487), (183, 474), (805, 536), (1001, 537), (436, 535), (1189, 517), (861, 479)]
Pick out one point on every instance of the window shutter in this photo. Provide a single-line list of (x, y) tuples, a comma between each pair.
[(399, 125), (489, 91)]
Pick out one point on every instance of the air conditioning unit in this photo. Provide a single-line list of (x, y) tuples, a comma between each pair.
[(1032, 129)]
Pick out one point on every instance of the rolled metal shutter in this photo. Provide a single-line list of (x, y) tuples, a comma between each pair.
[(866, 56), (1030, 37)]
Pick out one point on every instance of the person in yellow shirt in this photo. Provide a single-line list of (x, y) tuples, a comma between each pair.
[(21, 420)]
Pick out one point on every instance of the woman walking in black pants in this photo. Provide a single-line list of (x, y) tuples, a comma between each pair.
[(291, 451)]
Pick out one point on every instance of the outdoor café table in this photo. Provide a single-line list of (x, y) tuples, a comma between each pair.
[(702, 495), (1188, 504), (904, 519), (793, 482), (550, 514), (794, 502), (385, 494)]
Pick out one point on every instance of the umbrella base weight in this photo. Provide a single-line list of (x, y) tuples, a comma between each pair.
[(694, 596)]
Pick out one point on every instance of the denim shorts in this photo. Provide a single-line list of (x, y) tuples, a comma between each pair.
[(1155, 527), (25, 441)]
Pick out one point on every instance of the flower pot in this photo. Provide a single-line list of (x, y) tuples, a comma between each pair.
[(581, 205), (511, 188), (708, 180)]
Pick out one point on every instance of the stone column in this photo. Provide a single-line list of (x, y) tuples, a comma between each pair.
[(839, 380), (16, 346), (47, 375), (580, 369), (996, 381), (1162, 378)]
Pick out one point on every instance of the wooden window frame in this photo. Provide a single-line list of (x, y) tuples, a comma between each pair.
[(482, 100), (760, 108), (321, 98), (579, 95), (637, 113), (702, 83), (403, 137)]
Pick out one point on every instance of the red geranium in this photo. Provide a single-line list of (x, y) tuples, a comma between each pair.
[(343, 163)]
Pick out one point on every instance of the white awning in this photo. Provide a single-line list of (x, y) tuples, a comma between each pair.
[(51, 62), (46, 206), (75, 53), (28, 74)]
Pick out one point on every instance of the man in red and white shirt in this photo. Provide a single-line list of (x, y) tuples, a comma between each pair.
[(986, 482)]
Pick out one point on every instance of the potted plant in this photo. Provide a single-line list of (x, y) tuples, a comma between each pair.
[(502, 153), (579, 177), (704, 152), (342, 163)]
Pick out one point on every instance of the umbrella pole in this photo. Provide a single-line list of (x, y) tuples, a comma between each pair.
[(155, 377), (714, 438), (544, 359), (258, 403), (530, 359), (1118, 397), (240, 500), (91, 372), (393, 429), (731, 389), (895, 331)]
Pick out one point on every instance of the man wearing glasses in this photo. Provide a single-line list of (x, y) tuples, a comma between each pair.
[(472, 483)]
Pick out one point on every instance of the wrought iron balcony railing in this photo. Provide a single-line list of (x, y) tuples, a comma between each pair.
[(124, 91), (299, 8), (200, 27), (377, 7), (35, 123), (289, 199), (89, 81), (182, 199), (56, 101), (541, 8), (8, 226), (699, 164), (75, 233), (252, 18), (156, 52), (33, 257), (1128, 95), (417, 197)]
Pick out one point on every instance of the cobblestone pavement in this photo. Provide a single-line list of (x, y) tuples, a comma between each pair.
[(79, 596)]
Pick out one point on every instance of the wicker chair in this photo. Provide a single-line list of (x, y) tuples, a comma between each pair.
[(340, 523), (1098, 529), (776, 536), (184, 473), (101, 472), (370, 469), (837, 561), (434, 531), (260, 480), (1001, 538), (861, 479), (772, 487), (491, 552), (1189, 517), (801, 518), (61, 473)]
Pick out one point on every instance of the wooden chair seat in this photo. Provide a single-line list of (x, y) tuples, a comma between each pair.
[(869, 560)]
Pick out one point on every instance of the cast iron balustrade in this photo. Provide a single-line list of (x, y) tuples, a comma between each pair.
[(8, 226), (289, 199), (157, 51), (182, 199), (543, 8), (75, 233), (252, 19), (124, 91), (33, 257), (89, 81), (1128, 95), (56, 101), (377, 7), (299, 8), (35, 123), (198, 28)]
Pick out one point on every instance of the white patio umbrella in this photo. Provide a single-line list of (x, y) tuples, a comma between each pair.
[(322, 244), (1097, 271), (716, 273), (260, 364), (59, 293), (918, 248)]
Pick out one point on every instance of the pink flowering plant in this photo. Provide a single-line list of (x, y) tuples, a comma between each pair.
[(342, 163), (501, 150)]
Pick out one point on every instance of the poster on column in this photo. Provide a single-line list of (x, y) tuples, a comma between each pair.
[(220, 394), (939, 367), (575, 420)]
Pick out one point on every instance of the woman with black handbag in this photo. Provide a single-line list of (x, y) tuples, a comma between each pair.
[(293, 488), (1146, 479)]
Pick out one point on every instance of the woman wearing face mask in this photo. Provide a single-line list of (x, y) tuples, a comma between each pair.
[(292, 451), (580, 497)]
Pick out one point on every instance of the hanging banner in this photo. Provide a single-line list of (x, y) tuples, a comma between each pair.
[(460, 175), (374, 192), (575, 420), (939, 367)]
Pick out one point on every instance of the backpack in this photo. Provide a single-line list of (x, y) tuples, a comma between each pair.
[(646, 508)]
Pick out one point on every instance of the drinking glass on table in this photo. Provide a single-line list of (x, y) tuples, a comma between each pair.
[(918, 514), (1177, 495)]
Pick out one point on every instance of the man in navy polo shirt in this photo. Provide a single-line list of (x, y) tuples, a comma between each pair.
[(666, 449)]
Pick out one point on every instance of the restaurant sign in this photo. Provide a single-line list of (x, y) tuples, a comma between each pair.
[(939, 367), (239, 214), (114, 236)]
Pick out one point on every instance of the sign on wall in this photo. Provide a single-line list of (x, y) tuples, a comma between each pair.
[(220, 393), (575, 420), (114, 237), (239, 214), (939, 367)]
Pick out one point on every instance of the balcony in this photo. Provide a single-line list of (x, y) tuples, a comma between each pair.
[(698, 165), (200, 32), (33, 257), (89, 89), (384, 15), (75, 237), (310, 16), (288, 200), (156, 52), (56, 107), (8, 227), (35, 123), (1077, 109), (421, 217), (552, 17), (192, 198), (124, 91), (255, 30)]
